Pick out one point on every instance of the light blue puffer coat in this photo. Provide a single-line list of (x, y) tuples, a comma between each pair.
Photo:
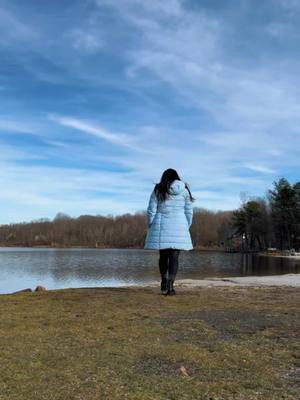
[(169, 221)]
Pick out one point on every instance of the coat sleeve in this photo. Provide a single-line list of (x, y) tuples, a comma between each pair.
[(188, 209), (152, 207)]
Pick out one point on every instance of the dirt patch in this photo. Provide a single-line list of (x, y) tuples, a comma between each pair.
[(228, 324), (162, 366)]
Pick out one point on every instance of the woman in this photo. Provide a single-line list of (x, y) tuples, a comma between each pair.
[(169, 217)]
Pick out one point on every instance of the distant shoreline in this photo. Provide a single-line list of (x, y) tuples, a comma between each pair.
[(197, 249), (100, 247)]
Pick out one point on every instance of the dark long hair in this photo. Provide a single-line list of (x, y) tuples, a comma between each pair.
[(162, 188)]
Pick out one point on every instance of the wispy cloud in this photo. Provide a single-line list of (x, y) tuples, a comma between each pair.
[(90, 129), (289, 4), (260, 168), (10, 125), (86, 41), (13, 29), (120, 139), (136, 142)]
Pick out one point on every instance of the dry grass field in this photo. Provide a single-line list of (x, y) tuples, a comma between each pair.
[(133, 343)]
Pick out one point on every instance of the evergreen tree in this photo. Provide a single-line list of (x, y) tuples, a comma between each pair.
[(252, 223), (284, 203)]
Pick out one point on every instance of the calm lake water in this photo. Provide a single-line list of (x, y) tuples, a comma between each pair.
[(62, 268)]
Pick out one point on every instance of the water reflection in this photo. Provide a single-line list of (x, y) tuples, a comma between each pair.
[(259, 266), (60, 268)]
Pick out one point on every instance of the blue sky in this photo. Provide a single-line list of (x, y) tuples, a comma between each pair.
[(98, 97)]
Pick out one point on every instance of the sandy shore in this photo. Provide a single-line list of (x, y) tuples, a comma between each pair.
[(292, 280), (287, 280)]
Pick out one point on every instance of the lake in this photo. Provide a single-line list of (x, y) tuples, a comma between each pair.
[(64, 268)]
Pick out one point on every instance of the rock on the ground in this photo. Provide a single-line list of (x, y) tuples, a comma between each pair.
[(40, 289)]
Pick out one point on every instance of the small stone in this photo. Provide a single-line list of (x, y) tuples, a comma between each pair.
[(40, 289), (183, 371)]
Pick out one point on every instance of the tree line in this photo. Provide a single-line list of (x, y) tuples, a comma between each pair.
[(259, 223), (129, 230)]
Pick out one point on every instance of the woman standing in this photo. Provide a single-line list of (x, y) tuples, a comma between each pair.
[(169, 217)]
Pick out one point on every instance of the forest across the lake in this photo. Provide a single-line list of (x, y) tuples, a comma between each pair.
[(272, 221)]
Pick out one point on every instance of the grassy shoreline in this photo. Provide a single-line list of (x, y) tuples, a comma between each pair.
[(133, 343)]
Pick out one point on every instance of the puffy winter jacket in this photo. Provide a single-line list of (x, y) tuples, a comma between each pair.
[(169, 221)]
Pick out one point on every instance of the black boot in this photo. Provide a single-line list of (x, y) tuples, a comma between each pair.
[(170, 288), (163, 284)]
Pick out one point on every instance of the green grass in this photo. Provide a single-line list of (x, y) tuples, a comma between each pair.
[(129, 343)]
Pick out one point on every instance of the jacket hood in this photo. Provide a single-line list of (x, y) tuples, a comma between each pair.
[(177, 187)]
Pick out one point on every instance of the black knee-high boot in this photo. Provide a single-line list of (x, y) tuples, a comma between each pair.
[(170, 287), (163, 268), (172, 269), (163, 284)]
